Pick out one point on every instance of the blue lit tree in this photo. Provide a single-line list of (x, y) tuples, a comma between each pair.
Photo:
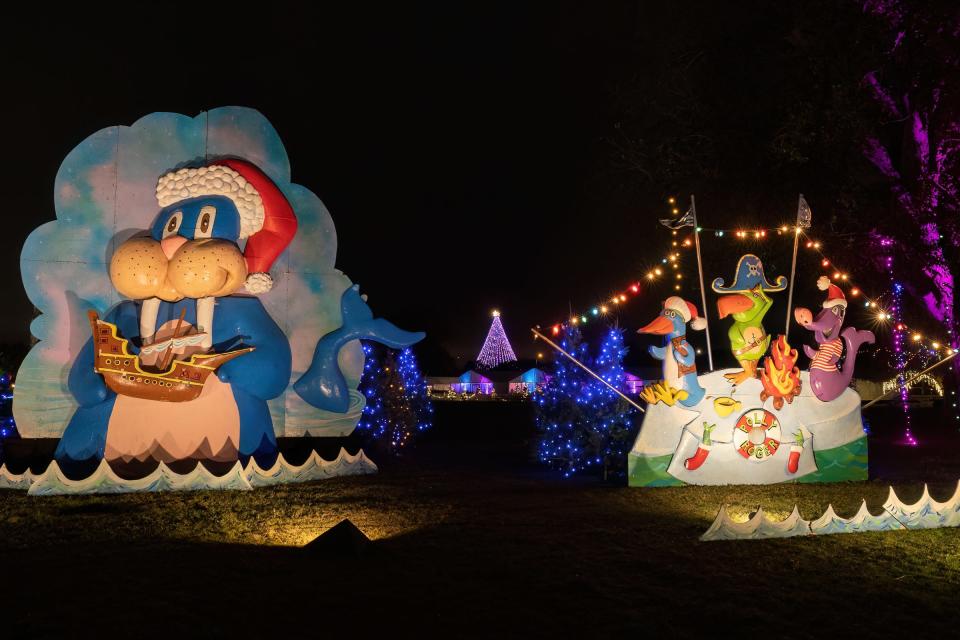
[(8, 428), (584, 425), (560, 412), (397, 407), (614, 417)]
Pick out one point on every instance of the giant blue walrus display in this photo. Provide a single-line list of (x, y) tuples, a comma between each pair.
[(218, 318)]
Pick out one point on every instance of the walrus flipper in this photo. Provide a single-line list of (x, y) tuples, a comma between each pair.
[(323, 384)]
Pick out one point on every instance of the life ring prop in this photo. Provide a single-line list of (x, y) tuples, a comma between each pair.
[(756, 435)]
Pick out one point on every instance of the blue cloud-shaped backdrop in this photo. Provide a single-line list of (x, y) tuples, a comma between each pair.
[(105, 193)]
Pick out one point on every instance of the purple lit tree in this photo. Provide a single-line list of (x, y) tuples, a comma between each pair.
[(863, 115), (915, 147), (496, 348)]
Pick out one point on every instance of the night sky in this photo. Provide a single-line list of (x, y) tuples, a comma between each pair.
[(463, 151)]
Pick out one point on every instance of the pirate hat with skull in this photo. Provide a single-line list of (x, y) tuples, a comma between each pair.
[(749, 275)]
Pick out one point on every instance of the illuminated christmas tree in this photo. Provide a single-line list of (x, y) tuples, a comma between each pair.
[(496, 348), (584, 426), (8, 428), (397, 407), (559, 411)]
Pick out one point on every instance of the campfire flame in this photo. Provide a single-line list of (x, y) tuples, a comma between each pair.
[(780, 376)]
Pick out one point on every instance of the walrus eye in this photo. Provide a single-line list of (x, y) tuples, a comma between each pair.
[(205, 222), (173, 224)]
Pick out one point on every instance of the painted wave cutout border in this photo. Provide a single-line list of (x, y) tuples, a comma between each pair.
[(105, 481), (926, 513)]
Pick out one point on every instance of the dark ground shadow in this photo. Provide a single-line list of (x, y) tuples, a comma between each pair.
[(497, 548)]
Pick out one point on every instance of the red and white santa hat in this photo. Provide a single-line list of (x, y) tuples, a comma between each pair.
[(835, 297), (687, 311), (267, 221)]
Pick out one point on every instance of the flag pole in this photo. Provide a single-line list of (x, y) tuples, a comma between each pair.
[(703, 290), (793, 266)]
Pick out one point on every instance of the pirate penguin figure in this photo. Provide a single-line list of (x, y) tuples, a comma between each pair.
[(679, 357), (747, 301)]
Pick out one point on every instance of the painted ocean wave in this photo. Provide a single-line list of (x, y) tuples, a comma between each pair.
[(926, 513), (105, 481)]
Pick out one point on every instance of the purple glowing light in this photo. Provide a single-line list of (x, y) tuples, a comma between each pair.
[(900, 357), (496, 348)]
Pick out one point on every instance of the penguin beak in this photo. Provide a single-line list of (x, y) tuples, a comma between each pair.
[(661, 326), (734, 303)]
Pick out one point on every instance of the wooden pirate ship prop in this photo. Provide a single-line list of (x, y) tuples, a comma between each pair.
[(170, 380)]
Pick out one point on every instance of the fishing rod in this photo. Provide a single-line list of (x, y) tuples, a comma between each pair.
[(927, 370), (585, 368)]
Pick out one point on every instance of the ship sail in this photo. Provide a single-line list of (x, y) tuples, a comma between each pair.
[(124, 374)]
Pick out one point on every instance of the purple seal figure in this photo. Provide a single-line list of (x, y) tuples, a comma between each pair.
[(827, 379)]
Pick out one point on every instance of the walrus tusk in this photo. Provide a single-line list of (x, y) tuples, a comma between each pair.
[(148, 319), (205, 320)]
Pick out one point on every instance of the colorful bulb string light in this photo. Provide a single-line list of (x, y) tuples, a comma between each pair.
[(893, 313), (669, 263), (838, 277), (902, 355)]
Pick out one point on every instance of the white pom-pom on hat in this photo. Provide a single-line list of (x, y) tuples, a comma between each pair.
[(823, 283), (259, 283), (687, 311), (267, 219)]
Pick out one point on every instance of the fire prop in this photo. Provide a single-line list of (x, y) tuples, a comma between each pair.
[(780, 376)]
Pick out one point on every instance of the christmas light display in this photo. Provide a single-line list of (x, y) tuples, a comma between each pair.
[(913, 379), (839, 276), (672, 261), (900, 357), (908, 344), (8, 428), (583, 425), (923, 347), (397, 406), (496, 348), (255, 336)]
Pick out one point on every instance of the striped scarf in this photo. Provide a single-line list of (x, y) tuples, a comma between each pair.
[(827, 356)]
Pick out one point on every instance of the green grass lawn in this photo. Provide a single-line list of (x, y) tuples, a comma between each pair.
[(468, 546)]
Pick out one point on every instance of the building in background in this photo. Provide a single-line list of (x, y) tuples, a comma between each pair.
[(632, 384), (471, 382), (528, 381)]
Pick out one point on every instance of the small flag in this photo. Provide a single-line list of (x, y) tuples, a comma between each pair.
[(804, 215), (686, 220)]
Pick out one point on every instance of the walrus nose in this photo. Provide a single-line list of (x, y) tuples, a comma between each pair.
[(170, 244)]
